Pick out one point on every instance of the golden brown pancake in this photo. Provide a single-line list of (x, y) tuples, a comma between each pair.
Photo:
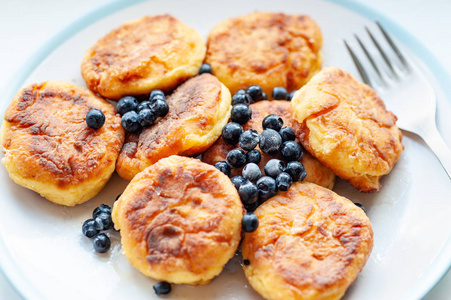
[(316, 172), (268, 49), (50, 149), (180, 220), (310, 244), (345, 125), (157, 52), (198, 110)]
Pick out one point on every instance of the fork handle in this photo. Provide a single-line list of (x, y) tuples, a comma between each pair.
[(439, 147)]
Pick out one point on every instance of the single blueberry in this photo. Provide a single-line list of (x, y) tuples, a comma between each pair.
[(253, 156), (283, 181), (249, 139), (154, 93), (236, 158), (160, 107), (162, 288), (95, 118), (249, 223), (252, 206), (146, 117), (126, 104), (270, 141), (89, 229), (238, 181), (291, 151), (274, 167), (223, 167), (143, 105), (241, 113), (252, 172), (231, 132), (256, 92), (157, 97), (264, 96), (246, 262), (206, 68), (295, 169), (103, 208), (304, 174), (240, 92), (241, 99), (272, 122), (287, 134), (361, 206), (267, 188), (248, 193), (130, 121), (279, 93), (290, 95), (101, 243), (103, 221)]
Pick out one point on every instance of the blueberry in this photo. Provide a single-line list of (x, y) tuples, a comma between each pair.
[(253, 156), (283, 181), (157, 97), (252, 172), (103, 221), (248, 193), (95, 118), (264, 96), (267, 188), (303, 176), (246, 262), (103, 208), (249, 223), (236, 158), (272, 122), (291, 151), (126, 104), (290, 95), (240, 92), (130, 121), (361, 206), (252, 206), (295, 169), (256, 92), (231, 133), (238, 181), (248, 139), (223, 167), (274, 167), (146, 117), (241, 99), (143, 105), (287, 134), (155, 93), (89, 229), (279, 93), (101, 243), (270, 141), (160, 107), (241, 113), (206, 68), (162, 288)]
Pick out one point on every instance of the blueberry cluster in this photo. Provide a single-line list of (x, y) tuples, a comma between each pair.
[(101, 220), (137, 115)]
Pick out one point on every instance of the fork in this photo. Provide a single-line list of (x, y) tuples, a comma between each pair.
[(398, 82)]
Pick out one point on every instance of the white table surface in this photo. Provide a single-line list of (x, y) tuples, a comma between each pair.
[(27, 24)]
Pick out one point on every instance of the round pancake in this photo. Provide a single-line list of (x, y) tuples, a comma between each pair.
[(198, 110), (180, 220), (345, 125), (157, 52), (316, 172), (50, 149), (268, 49), (310, 244)]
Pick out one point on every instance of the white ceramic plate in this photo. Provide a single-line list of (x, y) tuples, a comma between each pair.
[(44, 254)]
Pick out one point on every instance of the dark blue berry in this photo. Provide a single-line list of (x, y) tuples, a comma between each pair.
[(157, 97), (154, 93), (126, 104), (295, 169), (361, 206), (241, 113), (143, 105), (264, 96), (279, 93), (95, 118), (130, 121), (253, 156), (249, 139), (287, 134), (89, 229), (270, 141), (101, 243), (272, 122), (248, 193), (103, 221), (249, 223), (267, 188), (252, 206), (241, 99), (236, 158), (283, 181), (206, 68), (246, 262), (290, 95), (103, 208), (238, 181), (231, 132), (160, 107), (291, 151), (146, 117), (256, 92), (303, 176), (162, 288), (274, 167), (240, 92), (252, 172), (223, 167)]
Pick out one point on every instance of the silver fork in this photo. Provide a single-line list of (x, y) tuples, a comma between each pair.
[(398, 84)]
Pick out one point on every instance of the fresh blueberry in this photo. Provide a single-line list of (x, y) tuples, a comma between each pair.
[(283, 181), (361, 206), (270, 141), (126, 104), (274, 167), (240, 92), (249, 223), (272, 122), (246, 262), (130, 121), (160, 107), (154, 93), (295, 169), (252, 206), (95, 118), (162, 288), (89, 229), (241, 99), (238, 181), (252, 172), (256, 92), (279, 93), (146, 117), (103, 208), (253, 156), (264, 96), (267, 188), (248, 139), (287, 134), (231, 132), (248, 193), (241, 113), (236, 158), (291, 151), (101, 243), (223, 167), (206, 68), (103, 221), (157, 97), (143, 105), (290, 95)]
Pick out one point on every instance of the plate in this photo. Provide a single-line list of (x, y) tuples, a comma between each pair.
[(44, 254)]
